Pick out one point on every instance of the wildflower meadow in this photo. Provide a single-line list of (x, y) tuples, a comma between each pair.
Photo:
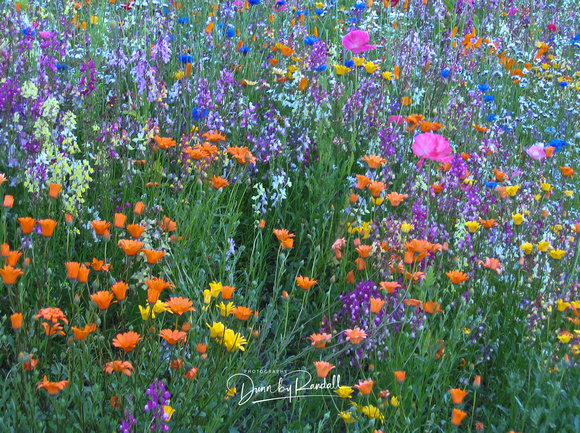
[(250, 216)]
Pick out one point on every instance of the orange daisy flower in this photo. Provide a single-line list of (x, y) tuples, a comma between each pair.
[(362, 181), (103, 299), (164, 142), (153, 256), (241, 154), (319, 340), (458, 416), (365, 387), (355, 336), (54, 329), (135, 230), (218, 182), (395, 198), (323, 368), (127, 341), (389, 286), (81, 334), (214, 136), (130, 246), (305, 283), (47, 227), (173, 337), (457, 395), (457, 277), (155, 287), (9, 274), (179, 305), (376, 305), (242, 313), (284, 237), (119, 367), (400, 376), (120, 290), (52, 387), (100, 227), (376, 188), (119, 220), (52, 315), (373, 161)]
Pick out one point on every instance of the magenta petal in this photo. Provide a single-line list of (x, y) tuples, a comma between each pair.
[(357, 41), (397, 120), (432, 146)]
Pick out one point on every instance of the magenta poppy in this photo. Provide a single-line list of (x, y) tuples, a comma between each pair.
[(397, 120), (536, 151), (357, 41), (432, 146)]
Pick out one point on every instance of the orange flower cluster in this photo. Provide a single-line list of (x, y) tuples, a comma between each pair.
[(285, 237)]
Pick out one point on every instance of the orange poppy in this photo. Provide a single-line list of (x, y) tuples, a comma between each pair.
[(155, 287), (9, 274), (173, 337), (400, 376), (99, 265), (227, 292), (395, 198), (127, 341), (167, 225), (376, 305), (100, 227), (480, 128), (201, 348), (139, 208), (103, 299), (153, 256), (413, 120), (360, 264), (567, 171), (323, 368), (376, 188), (13, 258), (305, 282), (457, 277), (16, 320), (430, 126), (319, 340), (135, 230), (488, 223), (52, 315), (177, 364), (52, 387), (373, 161), (353, 198), (124, 367), (72, 270), (242, 313), (120, 290), (349, 277), (458, 416), (130, 246), (81, 334), (389, 286), (410, 302), (549, 151), (83, 274), (477, 381), (54, 190), (119, 220), (179, 305), (457, 395), (214, 136), (499, 175), (362, 181), (241, 154), (8, 201), (365, 387), (218, 182), (68, 219), (431, 307), (164, 142), (437, 188), (47, 227), (4, 250)]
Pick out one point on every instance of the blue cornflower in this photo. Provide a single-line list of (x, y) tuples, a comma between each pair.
[(558, 144), (563, 84), (491, 117), (253, 2), (490, 184), (199, 113), (185, 58), (360, 6), (300, 12), (244, 49), (29, 31), (577, 37), (61, 67), (310, 40), (550, 130), (483, 87), (221, 25), (349, 63), (488, 98), (319, 12), (165, 11), (445, 73), (230, 33), (183, 20), (321, 68)]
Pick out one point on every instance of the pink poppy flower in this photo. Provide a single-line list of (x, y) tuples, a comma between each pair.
[(552, 27), (432, 146), (536, 151), (357, 41), (397, 120)]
